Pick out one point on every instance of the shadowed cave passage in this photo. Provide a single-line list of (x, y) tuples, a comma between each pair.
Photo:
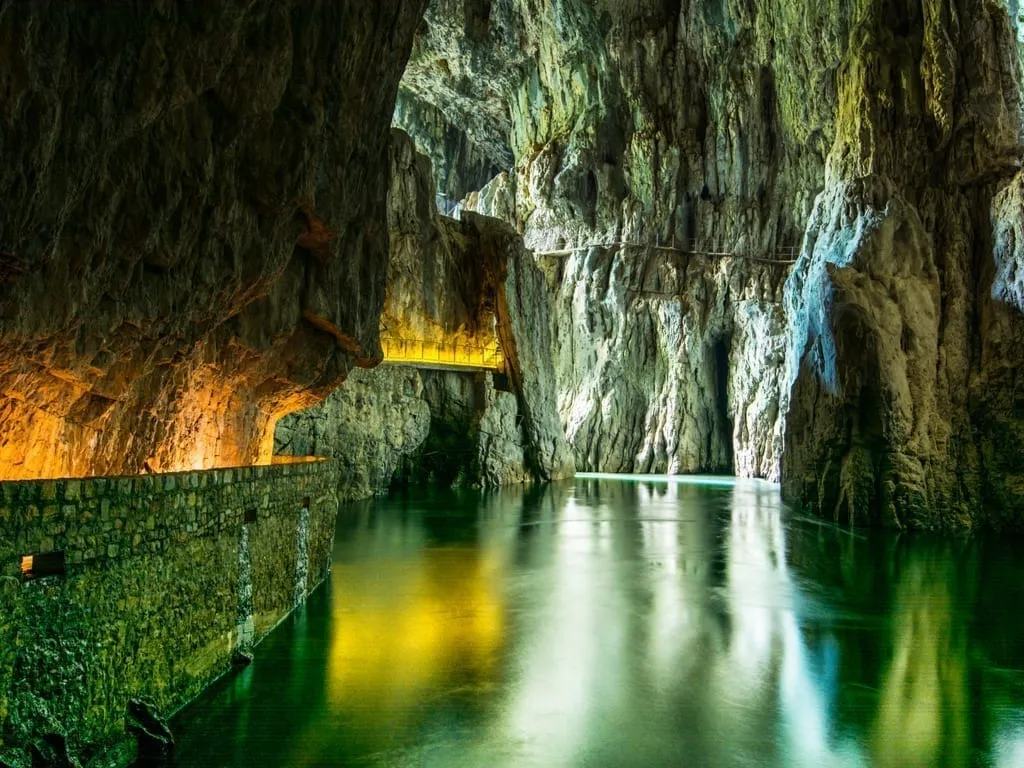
[(723, 420)]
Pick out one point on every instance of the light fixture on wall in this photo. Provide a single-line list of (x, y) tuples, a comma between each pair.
[(41, 565)]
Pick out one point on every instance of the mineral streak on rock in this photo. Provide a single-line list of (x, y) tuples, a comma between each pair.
[(193, 238)]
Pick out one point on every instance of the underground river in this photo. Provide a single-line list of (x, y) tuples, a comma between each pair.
[(614, 622)]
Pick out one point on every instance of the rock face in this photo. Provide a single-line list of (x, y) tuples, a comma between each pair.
[(645, 124), (460, 165), (902, 367), (883, 136), (193, 237), (370, 424), (670, 366), (470, 283)]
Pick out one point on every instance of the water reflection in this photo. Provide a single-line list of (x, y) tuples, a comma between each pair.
[(631, 623), (924, 712)]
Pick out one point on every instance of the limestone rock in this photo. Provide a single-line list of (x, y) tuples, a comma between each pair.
[(524, 328), (901, 407), (670, 365), (460, 165), (865, 309), (649, 124), (369, 424), (882, 136)]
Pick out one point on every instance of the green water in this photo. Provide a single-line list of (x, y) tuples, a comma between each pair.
[(610, 623)]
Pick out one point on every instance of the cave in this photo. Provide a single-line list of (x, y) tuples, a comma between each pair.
[(506, 383)]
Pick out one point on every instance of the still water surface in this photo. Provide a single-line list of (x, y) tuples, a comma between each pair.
[(611, 623)]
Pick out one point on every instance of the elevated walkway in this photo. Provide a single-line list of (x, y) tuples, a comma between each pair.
[(420, 353), (785, 256)]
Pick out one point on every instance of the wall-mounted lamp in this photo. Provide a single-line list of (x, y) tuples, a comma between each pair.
[(41, 565)]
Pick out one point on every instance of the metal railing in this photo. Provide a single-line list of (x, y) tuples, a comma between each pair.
[(420, 352), (448, 207), (781, 255)]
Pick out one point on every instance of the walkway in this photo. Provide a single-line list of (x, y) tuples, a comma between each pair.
[(420, 353), (784, 255)]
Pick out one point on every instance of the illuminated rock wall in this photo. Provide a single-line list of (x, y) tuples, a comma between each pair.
[(164, 580), (903, 381), (193, 234)]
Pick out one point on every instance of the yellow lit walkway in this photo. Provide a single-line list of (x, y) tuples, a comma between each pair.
[(433, 354)]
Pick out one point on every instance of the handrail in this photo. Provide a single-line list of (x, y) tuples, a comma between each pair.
[(402, 351), (783, 254)]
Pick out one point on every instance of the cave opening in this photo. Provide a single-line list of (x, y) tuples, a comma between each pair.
[(723, 423)]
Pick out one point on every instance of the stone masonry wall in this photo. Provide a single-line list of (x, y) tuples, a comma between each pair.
[(164, 581)]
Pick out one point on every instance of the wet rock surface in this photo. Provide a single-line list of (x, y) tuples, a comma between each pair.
[(901, 308), (151, 731)]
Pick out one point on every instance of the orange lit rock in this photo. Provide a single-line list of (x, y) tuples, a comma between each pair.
[(193, 238)]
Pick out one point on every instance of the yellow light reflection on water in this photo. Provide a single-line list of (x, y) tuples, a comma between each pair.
[(404, 635), (924, 706)]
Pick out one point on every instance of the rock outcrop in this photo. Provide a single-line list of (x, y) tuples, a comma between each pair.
[(469, 283), (371, 424), (193, 238), (461, 167), (670, 365), (902, 405)]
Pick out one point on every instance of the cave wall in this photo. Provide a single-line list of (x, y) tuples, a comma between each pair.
[(468, 282), (193, 239), (651, 123), (670, 367), (371, 425), (460, 165), (902, 404), (882, 138)]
